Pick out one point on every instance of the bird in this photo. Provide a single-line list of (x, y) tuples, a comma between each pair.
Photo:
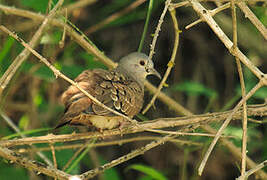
[(121, 89)]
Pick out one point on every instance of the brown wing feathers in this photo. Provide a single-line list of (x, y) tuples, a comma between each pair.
[(111, 88)]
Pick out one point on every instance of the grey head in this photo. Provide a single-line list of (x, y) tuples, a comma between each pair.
[(137, 66)]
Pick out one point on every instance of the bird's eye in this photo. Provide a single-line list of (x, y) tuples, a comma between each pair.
[(142, 63)]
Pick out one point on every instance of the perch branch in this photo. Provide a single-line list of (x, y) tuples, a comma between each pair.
[(256, 110)]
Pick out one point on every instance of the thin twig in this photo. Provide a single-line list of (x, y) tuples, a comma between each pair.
[(188, 134), (205, 15), (74, 156), (171, 62), (156, 34), (251, 16), (54, 156), (79, 4), (118, 142), (17, 130), (185, 2), (236, 152), (137, 152), (213, 12), (224, 125), (5, 79), (31, 164), (243, 90), (253, 170), (114, 16), (149, 11)]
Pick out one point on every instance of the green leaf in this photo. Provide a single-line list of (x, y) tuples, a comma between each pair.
[(261, 13), (250, 81), (6, 48), (148, 171), (29, 132), (72, 71), (51, 38), (91, 63), (80, 157), (194, 88), (113, 7), (43, 72), (39, 6), (24, 122), (8, 171), (111, 173)]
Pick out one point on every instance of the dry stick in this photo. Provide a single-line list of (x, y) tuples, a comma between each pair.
[(79, 4), (171, 62), (156, 34), (74, 156), (205, 15), (58, 73), (108, 143), (188, 134), (258, 110), (243, 90), (54, 156), (5, 79), (257, 23), (31, 164), (185, 2), (134, 153), (17, 130), (29, 24), (237, 152), (212, 13), (225, 124), (114, 16), (62, 41), (253, 170), (172, 104)]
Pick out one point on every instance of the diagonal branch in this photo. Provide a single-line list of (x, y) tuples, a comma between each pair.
[(205, 15), (224, 125), (25, 53), (251, 16), (31, 164)]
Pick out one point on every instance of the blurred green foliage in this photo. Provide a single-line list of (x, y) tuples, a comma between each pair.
[(150, 172)]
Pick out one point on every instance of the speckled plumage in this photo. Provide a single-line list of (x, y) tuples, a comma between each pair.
[(121, 89)]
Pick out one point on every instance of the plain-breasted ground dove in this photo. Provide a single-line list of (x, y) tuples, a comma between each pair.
[(121, 89)]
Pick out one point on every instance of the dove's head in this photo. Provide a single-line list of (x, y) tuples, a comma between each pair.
[(138, 66)]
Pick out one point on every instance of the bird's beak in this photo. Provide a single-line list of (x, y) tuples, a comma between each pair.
[(152, 71)]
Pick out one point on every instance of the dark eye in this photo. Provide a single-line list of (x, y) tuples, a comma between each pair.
[(142, 63)]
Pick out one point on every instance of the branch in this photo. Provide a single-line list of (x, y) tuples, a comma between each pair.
[(25, 53), (31, 164), (255, 110)]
